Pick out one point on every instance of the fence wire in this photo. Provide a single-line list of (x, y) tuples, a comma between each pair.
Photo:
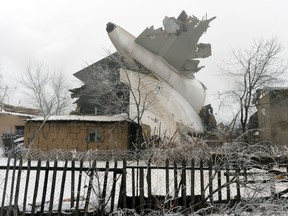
[(254, 162)]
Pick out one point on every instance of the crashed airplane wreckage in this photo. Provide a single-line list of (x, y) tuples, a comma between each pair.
[(168, 95), (171, 55)]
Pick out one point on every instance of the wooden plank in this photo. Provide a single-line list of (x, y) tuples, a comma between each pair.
[(142, 203), (219, 184), (123, 188), (192, 181), (210, 180), (104, 191), (62, 188), (113, 190), (53, 184), (167, 176), (37, 178), (18, 183), (26, 186), (72, 184), (44, 191), (90, 186), (175, 181), (149, 186), (176, 190), (5, 185), (184, 185), (228, 184), (238, 196), (79, 188), (202, 180), (12, 182), (133, 188)]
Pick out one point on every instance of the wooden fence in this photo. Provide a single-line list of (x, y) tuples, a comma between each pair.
[(93, 187)]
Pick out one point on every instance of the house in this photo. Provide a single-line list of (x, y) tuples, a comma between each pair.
[(80, 133), (272, 113), (102, 92), (12, 121)]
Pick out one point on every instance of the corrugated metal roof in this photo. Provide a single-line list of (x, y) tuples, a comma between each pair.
[(114, 118)]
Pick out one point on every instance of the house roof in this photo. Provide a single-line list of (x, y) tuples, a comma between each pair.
[(17, 114), (273, 89), (19, 110), (115, 118)]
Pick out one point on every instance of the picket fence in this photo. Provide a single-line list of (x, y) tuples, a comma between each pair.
[(102, 188)]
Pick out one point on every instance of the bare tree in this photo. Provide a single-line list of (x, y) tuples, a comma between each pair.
[(102, 92), (258, 66), (48, 92), (3, 91)]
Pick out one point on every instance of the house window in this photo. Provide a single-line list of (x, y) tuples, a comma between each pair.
[(19, 130), (95, 135)]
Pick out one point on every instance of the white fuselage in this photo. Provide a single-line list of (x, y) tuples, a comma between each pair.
[(191, 89)]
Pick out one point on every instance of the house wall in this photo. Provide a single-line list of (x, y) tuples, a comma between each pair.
[(8, 123), (74, 135), (274, 124)]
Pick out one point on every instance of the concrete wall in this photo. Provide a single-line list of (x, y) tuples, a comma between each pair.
[(74, 135)]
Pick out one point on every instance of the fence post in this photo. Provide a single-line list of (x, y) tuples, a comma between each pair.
[(62, 188), (91, 175), (238, 184), (113, 187), (142, 202), (53, 188), (103, 194), (192, 181), (183, 187), (176, 189), (5, 185), (13, 181), (45, 188), (79, 187), (18, 185), (219, 185), (202, 180), (122, 203), (210, 181), (149, 203), (37, 178), (167, 176), (26, 187), (227, 182), (72, 183), (133, 187)]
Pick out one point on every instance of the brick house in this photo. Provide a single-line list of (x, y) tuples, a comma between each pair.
[(272, 114), (81, 133)]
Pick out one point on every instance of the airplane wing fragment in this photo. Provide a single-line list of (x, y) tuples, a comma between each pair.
[(178, 43)]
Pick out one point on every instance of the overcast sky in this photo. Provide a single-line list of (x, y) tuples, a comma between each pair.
[(69, 34)]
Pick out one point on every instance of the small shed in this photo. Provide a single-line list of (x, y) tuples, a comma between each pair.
[(80, 133)]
